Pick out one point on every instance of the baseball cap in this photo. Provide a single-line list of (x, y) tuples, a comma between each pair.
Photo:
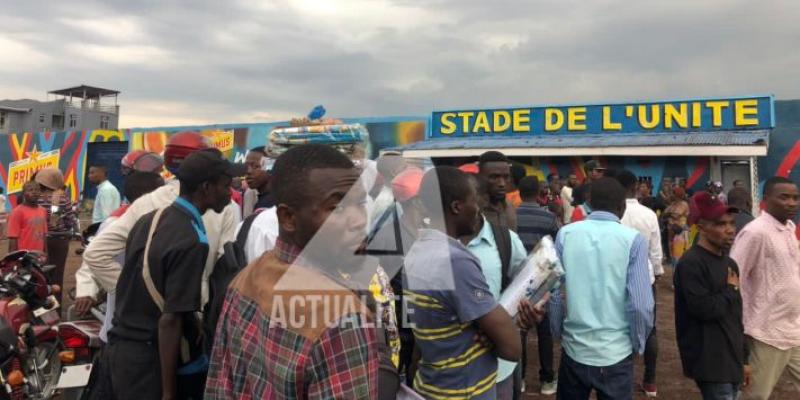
[(207, 164), (405, 185), (470, 168), (593, 164), (50, 178), (708, 207)]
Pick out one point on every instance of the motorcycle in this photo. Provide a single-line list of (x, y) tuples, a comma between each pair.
[(29, 315), (82, 349), (81, 343)]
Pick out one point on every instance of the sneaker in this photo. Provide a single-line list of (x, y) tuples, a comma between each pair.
[(650, 390), (549, 388)]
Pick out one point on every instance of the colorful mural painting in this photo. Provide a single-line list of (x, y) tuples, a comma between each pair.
[(23, 154)]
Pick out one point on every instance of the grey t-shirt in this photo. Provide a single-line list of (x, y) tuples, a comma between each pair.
[(445, 294)]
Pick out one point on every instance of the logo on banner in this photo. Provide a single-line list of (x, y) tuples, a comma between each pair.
[(22, 171), (220, 140)]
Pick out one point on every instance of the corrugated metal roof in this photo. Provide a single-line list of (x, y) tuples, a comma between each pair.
[(722, 138)]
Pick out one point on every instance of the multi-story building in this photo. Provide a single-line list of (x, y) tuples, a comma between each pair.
[(76, 108)]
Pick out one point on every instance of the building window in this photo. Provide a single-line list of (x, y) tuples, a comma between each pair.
[(104, 122), (73, 120), (2, 120), (41, 118)]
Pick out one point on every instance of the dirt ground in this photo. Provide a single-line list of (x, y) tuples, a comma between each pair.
[(672, 385)]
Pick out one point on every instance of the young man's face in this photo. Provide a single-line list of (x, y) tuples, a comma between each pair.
[(256, 177), (572, 181), (218, 193), (96, 175), (782, 201), (467, 212), (31, 193), (498, 179), (597, 173), (331, 226), (720, 233)]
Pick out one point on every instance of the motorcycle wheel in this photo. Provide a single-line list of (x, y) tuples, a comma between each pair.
[(44, 368)]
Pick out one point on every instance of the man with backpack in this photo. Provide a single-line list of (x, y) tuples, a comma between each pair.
[(101, 253), (156, 339), (501, 255)]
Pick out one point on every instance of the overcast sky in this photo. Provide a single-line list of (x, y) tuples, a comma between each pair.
[(197, 62)]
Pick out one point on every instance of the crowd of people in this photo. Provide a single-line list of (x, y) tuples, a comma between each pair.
[(326, 276)]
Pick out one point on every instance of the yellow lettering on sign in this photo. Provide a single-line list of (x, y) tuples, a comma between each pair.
[(503, 116), (655, 116), (697, 115), (481, 123), (521, 120), (607, 124), (23, 170), (680, 116), (553, 119), (742, 109), (448, 126), (576, 119), (465, 116), (716, 111)]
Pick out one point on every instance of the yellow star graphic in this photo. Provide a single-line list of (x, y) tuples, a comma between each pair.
[(33, 154)]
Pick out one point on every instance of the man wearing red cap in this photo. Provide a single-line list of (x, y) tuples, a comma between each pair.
[(708, 305), (101, 254)]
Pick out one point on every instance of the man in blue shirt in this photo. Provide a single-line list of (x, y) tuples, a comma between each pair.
[(609, 302), (450, 303)]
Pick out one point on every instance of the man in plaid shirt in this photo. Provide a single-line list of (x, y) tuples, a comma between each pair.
[(290, 327)]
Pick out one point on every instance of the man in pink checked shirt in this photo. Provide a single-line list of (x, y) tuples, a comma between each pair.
[(769, 261)]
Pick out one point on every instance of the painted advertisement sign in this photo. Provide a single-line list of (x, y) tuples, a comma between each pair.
[(665, 116), (23, 170)]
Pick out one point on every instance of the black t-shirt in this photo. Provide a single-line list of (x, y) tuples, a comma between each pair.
[(708, 318), (177, 258)]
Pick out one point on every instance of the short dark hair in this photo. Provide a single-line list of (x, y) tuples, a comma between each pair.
[(140, 183), (627, 179), (259, 149), (292, 168), (607, 194), (770, 184), (444, 184), (739, 198), (101, 168), (491, 156), (517, 173), (529, 187)]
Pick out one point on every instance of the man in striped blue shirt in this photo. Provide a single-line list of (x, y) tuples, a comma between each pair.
[(609, 302)]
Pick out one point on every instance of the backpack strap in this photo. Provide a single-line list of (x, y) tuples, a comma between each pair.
[(148, 278), (151, 286), (244, 231), (502, 238)]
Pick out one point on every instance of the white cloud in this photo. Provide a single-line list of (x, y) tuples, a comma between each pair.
[(19, 56), (149, 57), (255, 60), (118, 29)]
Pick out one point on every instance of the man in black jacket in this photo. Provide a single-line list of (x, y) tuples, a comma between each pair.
[(708, 305)]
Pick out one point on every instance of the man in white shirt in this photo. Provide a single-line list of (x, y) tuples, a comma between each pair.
[(101, 254), (566, 197), (107, 199), (645, 221)]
